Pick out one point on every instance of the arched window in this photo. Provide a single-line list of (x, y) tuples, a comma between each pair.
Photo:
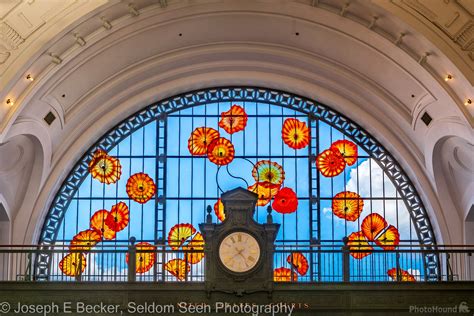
[(323, 176)]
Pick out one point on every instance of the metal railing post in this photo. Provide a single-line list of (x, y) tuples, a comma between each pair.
[(346, 269), (132, 260), (397, 260)]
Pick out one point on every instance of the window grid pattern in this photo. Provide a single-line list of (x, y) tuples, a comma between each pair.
[(316, 113)]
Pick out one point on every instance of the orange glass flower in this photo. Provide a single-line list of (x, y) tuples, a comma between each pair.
[(98, 223), (389, 238), (358, 242), (373, 225), (295, 133), (178, 235), (196, 248), (268, 171), (73, 264), (347, 205), (200, 139), (330, 163), (347, 149), (233, 120), (219, 210), (144, 261), (285, 201), (178, 267), (140, 187), (265, 192), (405, 276), (284, 275), (85, 240), (105, 168), (118, 217), (299, 262), (221, 151)]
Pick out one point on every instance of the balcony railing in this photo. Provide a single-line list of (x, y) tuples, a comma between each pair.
[(325, 263)]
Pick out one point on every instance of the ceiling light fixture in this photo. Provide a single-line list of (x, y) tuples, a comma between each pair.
[(468, 102), (29, 77), (10, 102), (448, 77)]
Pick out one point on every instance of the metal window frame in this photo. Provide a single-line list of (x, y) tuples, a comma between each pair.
[(316, 111)]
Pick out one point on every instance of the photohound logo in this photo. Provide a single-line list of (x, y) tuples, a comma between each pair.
[(462, 308)]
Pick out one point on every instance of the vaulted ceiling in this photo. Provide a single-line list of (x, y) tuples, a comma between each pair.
[(383, 63)]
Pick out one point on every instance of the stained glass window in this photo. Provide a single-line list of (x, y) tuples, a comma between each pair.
[(153, 176)]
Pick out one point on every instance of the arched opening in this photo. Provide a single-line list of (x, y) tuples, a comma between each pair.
[(340, 176)]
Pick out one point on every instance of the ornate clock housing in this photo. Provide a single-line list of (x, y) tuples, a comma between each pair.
[(239, 251)]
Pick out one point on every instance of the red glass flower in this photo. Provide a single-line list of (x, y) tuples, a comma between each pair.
[(105, 168), (178, 235), (200, 139), (85, 240), (330, 163), (347, 205), (178, 267), (299, 262), (405, 276), (295, 133), (221, 151), (118, 217), (265, 192), (140, 187), (98, 223), (373, 225), (219, 210), (144, 261), (389, 238), (358, 242), (73, 264), (233, 120), (285, 201), (284, 275), (347, 149), (196, 249)]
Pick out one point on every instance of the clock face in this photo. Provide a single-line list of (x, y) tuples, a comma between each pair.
[(239, 252)]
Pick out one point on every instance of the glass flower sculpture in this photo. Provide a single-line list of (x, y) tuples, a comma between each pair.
[(105, 168), (347, 205), (179, 234), (178, 267), (285, 201), (221, 151), (219, 210), (145, 257), (358, 242), (140, 187), (347, 149), (98, 223), (284, 275), (295, 133), (405, 276), (233, 120), (200, 139), (195, 248), (118, 217), (73, 264), (268, 171), (330, 163), (85, 240), (265, 192), (299, 262)]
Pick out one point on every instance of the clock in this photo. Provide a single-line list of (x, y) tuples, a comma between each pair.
[(239, 252)]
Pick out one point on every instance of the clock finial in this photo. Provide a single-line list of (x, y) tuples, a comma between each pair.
[(269, 216), (209, 216)]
